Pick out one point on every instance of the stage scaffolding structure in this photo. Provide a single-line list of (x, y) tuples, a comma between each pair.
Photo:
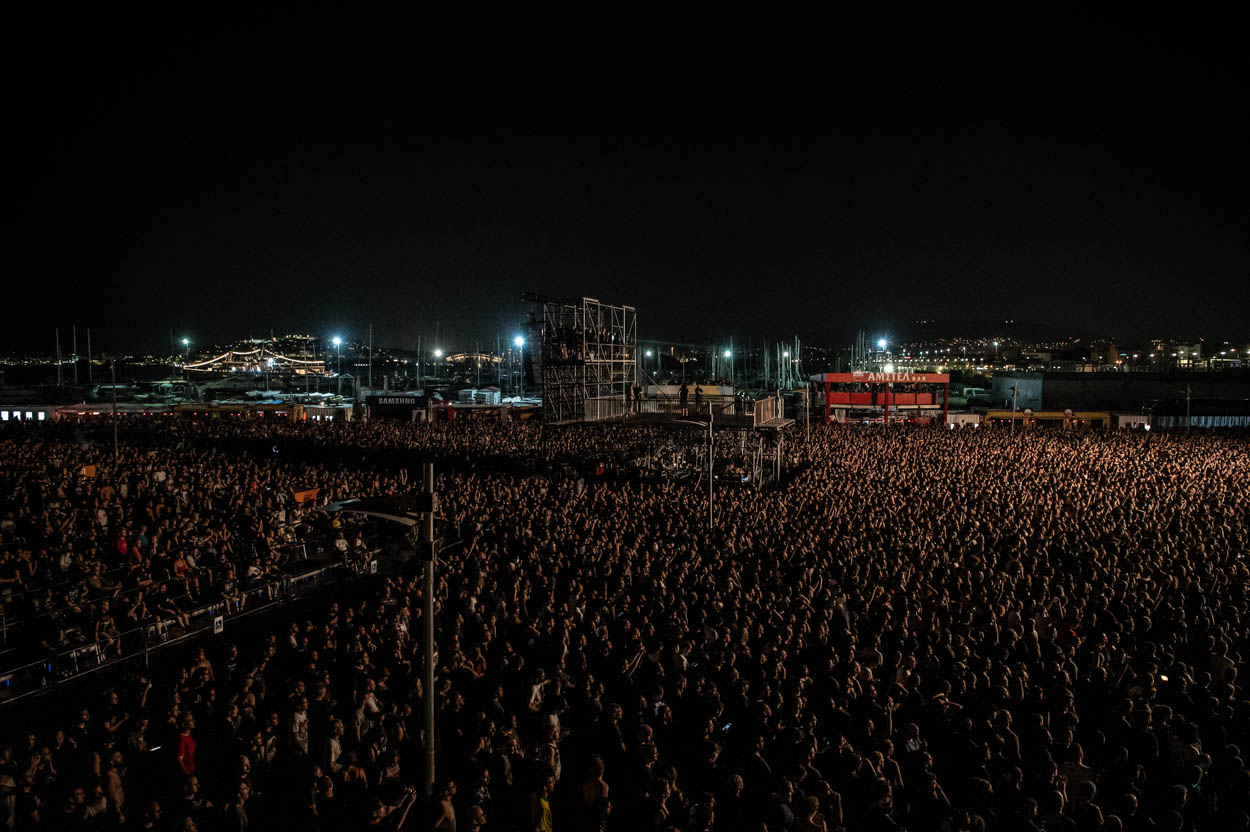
[(588, 358)]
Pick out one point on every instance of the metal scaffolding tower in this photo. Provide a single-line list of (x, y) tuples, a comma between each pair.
[(588, 355)]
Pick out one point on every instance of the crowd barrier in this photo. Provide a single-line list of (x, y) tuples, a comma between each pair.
[(11, 626), (136, 643)]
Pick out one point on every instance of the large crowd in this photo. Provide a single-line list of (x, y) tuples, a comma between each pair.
[(920, 629)]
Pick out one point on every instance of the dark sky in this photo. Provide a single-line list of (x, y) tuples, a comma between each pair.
[(229, 180)]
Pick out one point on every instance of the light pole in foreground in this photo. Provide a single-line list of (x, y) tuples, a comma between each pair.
[(338, 370), (519, 342)]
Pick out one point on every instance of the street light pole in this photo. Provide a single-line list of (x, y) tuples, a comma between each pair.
[(711, 466), (516, 383), (429, 505), (807, 413), (416, 512), (113, 370)]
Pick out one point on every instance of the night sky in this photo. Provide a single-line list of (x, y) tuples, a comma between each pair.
[(229, 180)]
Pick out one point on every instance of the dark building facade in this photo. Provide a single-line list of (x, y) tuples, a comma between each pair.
[(1118, 391)]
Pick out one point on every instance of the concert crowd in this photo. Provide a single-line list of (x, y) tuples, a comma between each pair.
[(919, 629)]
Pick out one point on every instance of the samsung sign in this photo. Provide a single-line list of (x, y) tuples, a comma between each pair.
[(393, 401)]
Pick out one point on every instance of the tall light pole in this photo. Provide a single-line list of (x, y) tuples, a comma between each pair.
[(417, 512), (730, 355), (186, 355), (711, 467), (428, 552), (519, 343), (338, 370), (113, 371), (438, 358)]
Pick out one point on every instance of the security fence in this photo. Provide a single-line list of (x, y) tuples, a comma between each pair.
[(158, 632)]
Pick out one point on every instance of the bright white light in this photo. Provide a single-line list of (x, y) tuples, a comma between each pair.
[(438, 353), (728, 353), (785, 354), (889, 368), (336, 340), (648, 353), (519, 341), (880, 343), (186, 342)]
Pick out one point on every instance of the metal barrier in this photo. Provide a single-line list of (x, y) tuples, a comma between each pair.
[(602, 409), (722, 406), (765, 410), (295, 550), (42, 675)]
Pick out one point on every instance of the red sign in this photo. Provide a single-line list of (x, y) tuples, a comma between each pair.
[(867, 377)]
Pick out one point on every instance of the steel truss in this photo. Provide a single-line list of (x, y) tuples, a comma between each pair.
[(588, 359)]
